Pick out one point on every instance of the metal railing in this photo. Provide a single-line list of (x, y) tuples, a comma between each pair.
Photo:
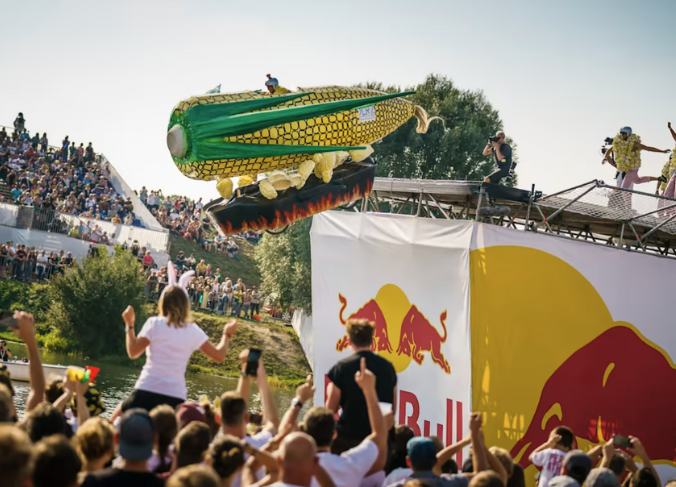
[(75, 226)]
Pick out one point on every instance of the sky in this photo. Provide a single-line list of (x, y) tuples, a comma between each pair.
[(563, 75)]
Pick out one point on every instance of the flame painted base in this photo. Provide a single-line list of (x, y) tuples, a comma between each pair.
[(252, 211)]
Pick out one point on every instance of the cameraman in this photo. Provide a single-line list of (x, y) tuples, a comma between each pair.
[(5, 354), (502, 155)]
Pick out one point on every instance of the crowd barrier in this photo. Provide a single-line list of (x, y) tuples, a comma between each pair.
[(56, 222)]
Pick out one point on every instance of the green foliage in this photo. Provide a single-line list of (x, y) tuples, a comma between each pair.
[(451, 150), (285, 265), (19, 296), (87, 302)]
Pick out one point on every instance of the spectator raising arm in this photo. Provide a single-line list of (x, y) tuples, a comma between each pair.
[(608, 452), (639, 451), (135, 346), (479, 460), (243, 386), (366, 381), (26, 331), (270, 415), (447, 453), (218, 352), (304, 393)]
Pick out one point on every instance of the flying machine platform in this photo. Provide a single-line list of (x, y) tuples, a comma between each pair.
[(594, 211)]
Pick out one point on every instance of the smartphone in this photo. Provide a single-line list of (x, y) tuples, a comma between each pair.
[(256, 418), (7, 319), (621, 441), (252, 361)]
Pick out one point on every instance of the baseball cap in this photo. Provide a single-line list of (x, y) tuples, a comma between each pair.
[(626, 129), (421, 450), (563, 481), (137, 434), (602, 477), (578, 462), (189, 412)]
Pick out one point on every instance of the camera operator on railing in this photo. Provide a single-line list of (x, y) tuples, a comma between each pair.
[(626, 148), (502, 155)]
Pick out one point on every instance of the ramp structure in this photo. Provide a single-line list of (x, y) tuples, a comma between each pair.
[(594, 211)]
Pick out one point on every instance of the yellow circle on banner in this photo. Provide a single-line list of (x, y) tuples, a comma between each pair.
[(394, 304)]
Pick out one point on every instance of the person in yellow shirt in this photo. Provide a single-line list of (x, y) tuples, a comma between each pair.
[(237, 296), (627, 149), (201, 268), (273, 87), (669, 171)]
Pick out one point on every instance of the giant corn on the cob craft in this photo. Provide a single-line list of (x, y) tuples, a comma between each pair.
[(243, 134)]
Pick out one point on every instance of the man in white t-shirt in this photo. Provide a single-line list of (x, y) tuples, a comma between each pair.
[(234, 409), (349, 468), (549, 457)]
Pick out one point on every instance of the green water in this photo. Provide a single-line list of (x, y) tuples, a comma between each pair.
[(116, 382)]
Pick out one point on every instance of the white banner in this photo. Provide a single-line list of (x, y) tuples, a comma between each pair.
[(411, 277)]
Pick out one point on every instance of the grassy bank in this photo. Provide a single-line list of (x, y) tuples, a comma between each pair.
[(243, 266), (283, 356)]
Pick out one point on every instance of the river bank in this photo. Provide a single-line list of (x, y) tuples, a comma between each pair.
[(283, 356), (116, 381)]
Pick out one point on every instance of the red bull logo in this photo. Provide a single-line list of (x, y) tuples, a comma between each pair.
[(402, 332), (587, 394)]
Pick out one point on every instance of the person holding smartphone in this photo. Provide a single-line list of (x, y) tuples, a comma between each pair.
[(5, 354)]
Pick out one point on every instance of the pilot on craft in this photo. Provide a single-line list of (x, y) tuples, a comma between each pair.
[(627, 149), (273, 87), (502, 156)]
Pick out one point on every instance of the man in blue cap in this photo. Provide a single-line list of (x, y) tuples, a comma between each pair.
[(135, 446), (421, 456)]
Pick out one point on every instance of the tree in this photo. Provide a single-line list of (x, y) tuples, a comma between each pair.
[(285, 266), (87, 302), (451, 150)]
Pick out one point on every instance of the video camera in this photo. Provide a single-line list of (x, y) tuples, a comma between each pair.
[(607, 143)]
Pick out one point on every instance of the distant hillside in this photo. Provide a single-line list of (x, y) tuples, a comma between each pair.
[(283, 355), (243, 266)]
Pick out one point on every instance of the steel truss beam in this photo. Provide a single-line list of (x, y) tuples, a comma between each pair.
[(592, 212)]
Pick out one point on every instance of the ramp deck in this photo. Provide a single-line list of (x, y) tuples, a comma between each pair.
[(593, 211)]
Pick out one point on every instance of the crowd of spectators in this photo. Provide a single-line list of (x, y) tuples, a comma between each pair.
[(26, 264), (184, 218), (62, 441), (69, 179), (208, 290)]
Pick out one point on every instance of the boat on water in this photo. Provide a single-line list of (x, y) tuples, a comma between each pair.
[(20, 371)]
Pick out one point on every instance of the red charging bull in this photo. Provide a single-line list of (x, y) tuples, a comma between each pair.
[(608, 387)]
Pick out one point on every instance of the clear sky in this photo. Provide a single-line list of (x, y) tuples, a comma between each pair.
[(564, 75)]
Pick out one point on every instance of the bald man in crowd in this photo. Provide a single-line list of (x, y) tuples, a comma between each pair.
[(298, 461)]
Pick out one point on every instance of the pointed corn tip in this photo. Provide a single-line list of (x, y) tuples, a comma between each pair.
[(176, 141)]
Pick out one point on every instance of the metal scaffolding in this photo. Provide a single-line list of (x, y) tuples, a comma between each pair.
[(593, 212)]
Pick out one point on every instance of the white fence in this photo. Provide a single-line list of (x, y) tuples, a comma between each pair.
[(53, 222)]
